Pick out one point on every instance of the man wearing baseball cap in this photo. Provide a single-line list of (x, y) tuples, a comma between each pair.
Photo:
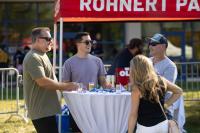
[(165, 67), (158, 39)]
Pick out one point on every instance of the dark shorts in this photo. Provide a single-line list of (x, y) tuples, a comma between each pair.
[(73, 125), (46, 125)]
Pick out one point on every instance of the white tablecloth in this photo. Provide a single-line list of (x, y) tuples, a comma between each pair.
[(99, 112)]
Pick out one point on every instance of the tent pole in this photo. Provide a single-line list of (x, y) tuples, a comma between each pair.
[(60, 65), (60, 49), (54, 46)]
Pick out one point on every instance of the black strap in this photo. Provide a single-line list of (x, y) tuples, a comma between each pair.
[(161, 105)]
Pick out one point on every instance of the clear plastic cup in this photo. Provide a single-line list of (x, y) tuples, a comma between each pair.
[(81, 87), (118, 89), (91, 86)]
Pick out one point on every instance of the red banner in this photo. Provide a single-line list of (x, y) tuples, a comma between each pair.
[(122, 10), (122, 76)]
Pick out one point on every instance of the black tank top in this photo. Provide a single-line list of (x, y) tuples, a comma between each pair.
[(150, 113)]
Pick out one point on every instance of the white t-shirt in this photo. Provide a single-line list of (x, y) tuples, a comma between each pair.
[(167, 69)]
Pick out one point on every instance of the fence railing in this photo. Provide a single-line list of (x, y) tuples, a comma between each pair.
[(10, 93), (189, 80)]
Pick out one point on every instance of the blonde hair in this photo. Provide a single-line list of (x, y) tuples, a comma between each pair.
[(144, 77)]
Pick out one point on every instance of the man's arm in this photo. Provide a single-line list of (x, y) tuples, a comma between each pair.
[(37, 73), (50, 84), (177, 92)]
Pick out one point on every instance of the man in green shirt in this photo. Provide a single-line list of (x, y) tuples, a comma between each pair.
[(40, 83)]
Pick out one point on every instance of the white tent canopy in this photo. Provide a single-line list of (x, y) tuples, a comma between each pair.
[(117, 11), (174, 51)]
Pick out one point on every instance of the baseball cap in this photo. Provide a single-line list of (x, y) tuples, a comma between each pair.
[(157, 39)]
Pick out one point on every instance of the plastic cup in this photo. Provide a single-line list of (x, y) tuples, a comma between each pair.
[(91, 86), (118, 89), (80, 88)]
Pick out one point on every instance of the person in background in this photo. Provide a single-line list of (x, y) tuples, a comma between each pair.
[(97, 48), (26, 49), (18, 60), (122, 60), (40, 83), (19, 57), (148, 91), (4, 58), (166, 68), (84, 68), (70, 48)]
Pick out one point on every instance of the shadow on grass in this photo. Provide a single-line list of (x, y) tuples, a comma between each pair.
[(192, 109), (15, 125)]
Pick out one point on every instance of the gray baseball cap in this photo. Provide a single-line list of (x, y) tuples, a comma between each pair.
[(157, 39)]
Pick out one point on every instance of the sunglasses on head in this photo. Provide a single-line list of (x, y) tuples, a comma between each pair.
[(87, 42), (48, 39)]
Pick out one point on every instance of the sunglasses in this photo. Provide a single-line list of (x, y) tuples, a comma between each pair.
[(87, 42), (48, 39), (153, 43)]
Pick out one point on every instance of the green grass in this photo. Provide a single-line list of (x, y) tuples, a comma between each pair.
[(192, 110), (17, 125), (191, 95)]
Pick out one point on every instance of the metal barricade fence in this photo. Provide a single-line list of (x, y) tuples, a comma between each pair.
[(189, 80), (11, 96)]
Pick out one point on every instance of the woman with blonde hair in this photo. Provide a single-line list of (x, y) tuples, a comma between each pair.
[(148, 89)]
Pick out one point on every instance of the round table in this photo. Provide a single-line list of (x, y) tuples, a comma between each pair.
[(96, 112)]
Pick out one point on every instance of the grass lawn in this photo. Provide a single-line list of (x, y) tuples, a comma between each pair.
[(192, 110), (17, 125)]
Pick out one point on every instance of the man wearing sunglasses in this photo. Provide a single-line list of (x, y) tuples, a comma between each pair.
[(40, 83), (84, 67), (165, 67)]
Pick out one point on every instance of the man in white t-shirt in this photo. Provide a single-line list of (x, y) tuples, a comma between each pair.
[(166, 68)]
